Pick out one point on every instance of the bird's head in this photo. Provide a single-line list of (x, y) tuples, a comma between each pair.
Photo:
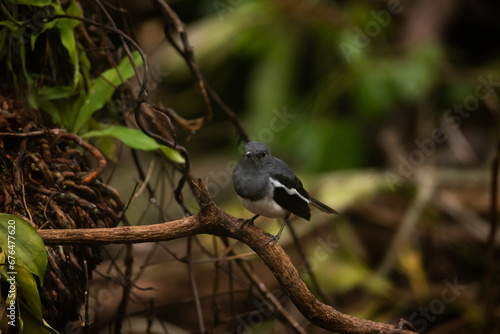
[(256, 152)]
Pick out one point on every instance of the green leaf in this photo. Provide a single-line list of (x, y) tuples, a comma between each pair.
[(172, 154), (28, 291), (55, 92), (103, 88), (56, 7), (57, 101), (27, 298), (37, 3), (3, 42), (65, 27), (49, 108), (15, 26), (68, 40), (134, 138), (84, 67), (28, 248), (32, 324), (74, 10)]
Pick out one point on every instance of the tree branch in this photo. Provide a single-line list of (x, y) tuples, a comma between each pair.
[(213, 220)]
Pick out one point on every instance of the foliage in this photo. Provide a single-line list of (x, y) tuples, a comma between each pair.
[(134, 138), (69, 104), (71, 101), (23, 256)]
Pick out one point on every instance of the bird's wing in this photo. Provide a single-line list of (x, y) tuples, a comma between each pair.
[(288, 190)]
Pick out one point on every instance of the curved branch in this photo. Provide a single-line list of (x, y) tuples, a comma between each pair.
[(213, 220), (187, 53)]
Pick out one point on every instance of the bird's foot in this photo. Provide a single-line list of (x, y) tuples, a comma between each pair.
[(247, 221), (273, 239), (401, 325)]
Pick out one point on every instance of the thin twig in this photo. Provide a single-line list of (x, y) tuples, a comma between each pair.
[(307, 266), (192, 279), (127, 287), (271, 298), (491, 289), (122, 40), (216, 284), (225, 258), (145, 182), (86, 320), (187, 53), (264, 293), (17, 163), (32, 133), (139, 169), (232, 116), (179, 197), (425, 191)]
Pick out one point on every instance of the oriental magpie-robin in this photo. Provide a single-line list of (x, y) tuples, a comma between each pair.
[(267, 186)]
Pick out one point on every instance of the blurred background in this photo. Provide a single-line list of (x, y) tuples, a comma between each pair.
[(387, 111)]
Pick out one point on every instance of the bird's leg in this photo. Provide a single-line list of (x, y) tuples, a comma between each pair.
[(248, 221), (274, 238)]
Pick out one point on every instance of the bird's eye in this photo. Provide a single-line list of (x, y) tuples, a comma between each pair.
[(262, 154)]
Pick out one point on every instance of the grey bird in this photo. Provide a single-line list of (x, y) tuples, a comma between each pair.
[(266, 186)]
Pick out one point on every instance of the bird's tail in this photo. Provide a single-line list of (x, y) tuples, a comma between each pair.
[(320, 206)]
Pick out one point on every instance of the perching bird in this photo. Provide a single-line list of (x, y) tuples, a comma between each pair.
[(267, 186)]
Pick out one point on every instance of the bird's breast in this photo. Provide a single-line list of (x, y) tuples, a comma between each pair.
[(252, 184), (266, 207)]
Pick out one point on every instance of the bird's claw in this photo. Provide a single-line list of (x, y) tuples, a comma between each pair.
[(273, 238), (245, 222), (401, 325)]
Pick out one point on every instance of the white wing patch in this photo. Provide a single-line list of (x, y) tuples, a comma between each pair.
[(289, 191)]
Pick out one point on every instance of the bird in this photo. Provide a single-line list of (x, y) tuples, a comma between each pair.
[(266, 186)]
